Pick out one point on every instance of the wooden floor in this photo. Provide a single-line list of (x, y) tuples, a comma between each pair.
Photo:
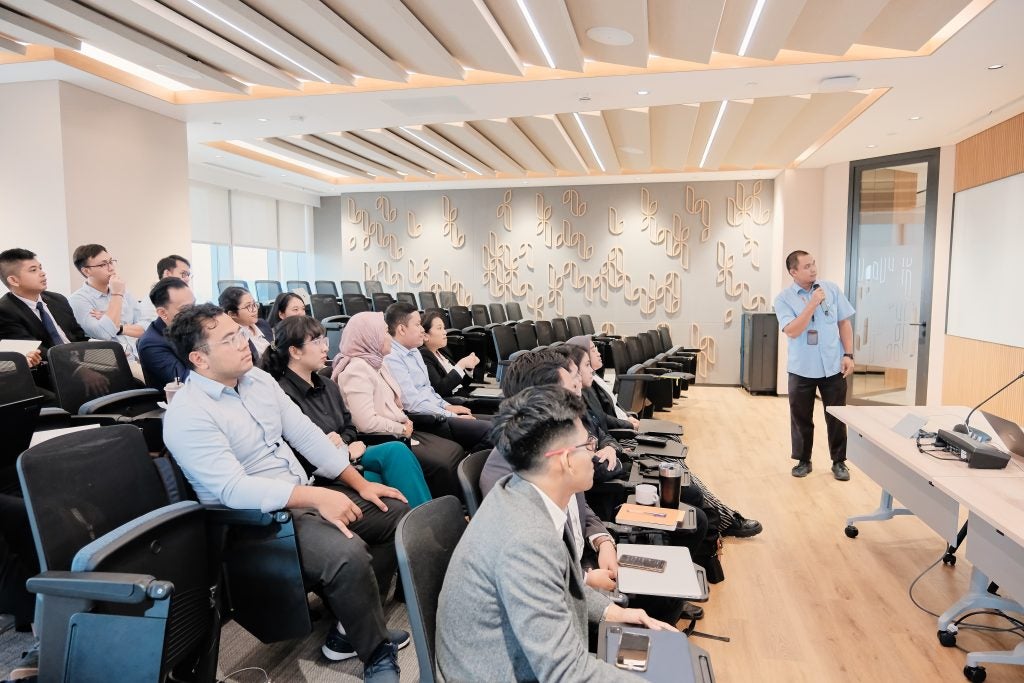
[(801, 601)]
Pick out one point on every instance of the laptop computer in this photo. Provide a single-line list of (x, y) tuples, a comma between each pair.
[(1009, 431)]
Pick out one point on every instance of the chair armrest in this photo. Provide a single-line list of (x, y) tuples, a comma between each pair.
[(220, 514), (131, 397), (638, 377), (53, 418), (622, 433), (100, 586)]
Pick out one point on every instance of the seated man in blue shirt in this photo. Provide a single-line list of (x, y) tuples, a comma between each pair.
[(228, 427), (418, 396), (160, 364)]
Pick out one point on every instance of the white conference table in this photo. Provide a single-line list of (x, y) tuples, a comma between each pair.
[(934, 490)]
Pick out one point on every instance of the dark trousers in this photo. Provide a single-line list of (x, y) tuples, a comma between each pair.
[(473, 435), (354, 573), (18, 560), (439, 457), (801, 414)]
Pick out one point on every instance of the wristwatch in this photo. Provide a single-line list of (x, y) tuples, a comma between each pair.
[(848, 355), (120, 330)]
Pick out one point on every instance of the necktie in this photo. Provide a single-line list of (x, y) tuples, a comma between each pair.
[(570, 542), (51, 327)]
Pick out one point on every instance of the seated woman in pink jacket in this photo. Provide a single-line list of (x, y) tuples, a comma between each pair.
[(372, 396)]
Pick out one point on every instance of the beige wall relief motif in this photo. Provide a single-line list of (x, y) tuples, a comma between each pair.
[(505, 211), (566, 237), (615, 226), (699, 207), (735, 289), (448, 283), (708, 350), (372, 232), (450, 228), (727, 318), (577, 207), (412, 227), (387, 212), (742, 205), (501, 268), (418, 275), (384, 272)]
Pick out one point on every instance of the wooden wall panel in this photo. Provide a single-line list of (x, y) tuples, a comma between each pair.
[(992, 154), (974, 369)]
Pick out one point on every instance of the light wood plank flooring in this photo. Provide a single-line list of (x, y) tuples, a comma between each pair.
[(801, 601)]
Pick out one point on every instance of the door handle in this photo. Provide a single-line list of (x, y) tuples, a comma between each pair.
[(920, 324)]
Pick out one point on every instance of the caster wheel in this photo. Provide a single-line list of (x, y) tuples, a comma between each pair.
[(852, 531), (947, 639), (949, 559), (975, 674)]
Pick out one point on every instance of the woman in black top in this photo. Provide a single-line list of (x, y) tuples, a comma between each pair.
[(298, 352), (446, 376)]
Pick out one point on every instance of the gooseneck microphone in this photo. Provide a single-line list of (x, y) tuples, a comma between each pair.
[(977, 434), (824, 302)]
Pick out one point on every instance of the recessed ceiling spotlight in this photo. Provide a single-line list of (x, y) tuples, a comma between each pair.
[(915, 118), (993, 67), (609, 35), (872, 146), (643, 92), (218, 156), (584, 98), (262, 120), (631, 150), (216, 123), (751, 83)]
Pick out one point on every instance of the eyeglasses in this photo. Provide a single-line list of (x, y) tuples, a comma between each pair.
[(184, 274), (251, 306), (322, 341), (590, 445), (109, 263), (237, 339)]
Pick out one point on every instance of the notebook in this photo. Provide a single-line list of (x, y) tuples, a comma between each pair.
[(666, 519)]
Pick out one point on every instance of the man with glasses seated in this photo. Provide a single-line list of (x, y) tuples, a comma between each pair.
[(514, 605), (229, 428), (103, 306), (160, 363)]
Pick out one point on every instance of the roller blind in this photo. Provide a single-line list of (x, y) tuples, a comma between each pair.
[(253, 220), (291, 223), (210, 214)]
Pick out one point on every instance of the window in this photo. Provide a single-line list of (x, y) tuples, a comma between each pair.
[(209, 264), (255, 263), (294, 265)]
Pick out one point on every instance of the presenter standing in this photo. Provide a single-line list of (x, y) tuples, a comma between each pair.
[(815, 315)]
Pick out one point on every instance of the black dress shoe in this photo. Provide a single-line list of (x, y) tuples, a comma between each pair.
[(742, 527), (802, 469), (692, 611), (840, 471)]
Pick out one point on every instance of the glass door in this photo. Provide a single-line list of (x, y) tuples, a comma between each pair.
[(889, 275)]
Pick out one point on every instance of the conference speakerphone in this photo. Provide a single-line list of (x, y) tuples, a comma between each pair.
[(977, 454)]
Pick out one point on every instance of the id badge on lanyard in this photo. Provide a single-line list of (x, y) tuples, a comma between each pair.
[(812, 337)]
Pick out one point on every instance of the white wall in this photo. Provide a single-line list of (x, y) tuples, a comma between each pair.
[(32, 207)]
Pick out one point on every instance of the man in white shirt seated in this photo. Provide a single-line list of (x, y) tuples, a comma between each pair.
[(514, 605), (227, 428)]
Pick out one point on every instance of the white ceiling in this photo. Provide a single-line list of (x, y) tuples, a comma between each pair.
[(424, 68)]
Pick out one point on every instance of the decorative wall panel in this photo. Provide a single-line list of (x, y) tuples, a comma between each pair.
[(686, 255)]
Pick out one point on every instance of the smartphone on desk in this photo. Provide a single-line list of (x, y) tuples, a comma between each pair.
[(647, 564), (634, 652)]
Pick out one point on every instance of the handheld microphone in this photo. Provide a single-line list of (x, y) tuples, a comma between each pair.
[(977, 434), (824, 302)]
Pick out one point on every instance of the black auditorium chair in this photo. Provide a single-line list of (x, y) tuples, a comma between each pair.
[(406, 297), (324, 306), (560, 329), (93, 378), (354, 303), (381, 301), (333, 330), (480, 315), (514, 311), (224, 284), (497, 313), (17, 387), (350, 287), (299, 285), (428, 300), (373, 287), (326, 287), (469, 479), (658, 391), (504, 340), (575, 326), (545, 333), (447, 298), (526, 336), (267, 290), (424, 542)]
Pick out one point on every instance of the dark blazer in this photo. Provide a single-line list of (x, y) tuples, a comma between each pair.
[(160, 363), (268, 332), (18, 321), (599, 412), (444, 383)]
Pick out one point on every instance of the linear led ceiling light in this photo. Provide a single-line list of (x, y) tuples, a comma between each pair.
[(536, 32), (714, 131), (257, 40), (754, 17), (432, 146), (132, 68), (590, 143)]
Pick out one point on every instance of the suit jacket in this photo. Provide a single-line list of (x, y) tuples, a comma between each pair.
[(18, 321), (268, 332), (372, 398), (160, 362), (444, 383), (600, 414), (514, 605)]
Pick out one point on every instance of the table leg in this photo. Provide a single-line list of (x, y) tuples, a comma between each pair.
[(884, 511)]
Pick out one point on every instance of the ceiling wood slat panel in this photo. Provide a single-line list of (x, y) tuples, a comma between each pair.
[(773, 28), (814, 120), (367, 149), (684, 29), (626, 15), (552, 22), (332, 151), (473, 142), (13, 47), (510, 139), (909, 24), (671, 132), (470, 33), (193, 39), (733, 25), (631, 134), (27, 30), (390, 141), (832, 27), (322, 29), (444, 149), (292, 55), (302, 155), (124, 41), (390, 25), (605, 160), (706, 115), (732, 121), (550, 137), (766, 121)]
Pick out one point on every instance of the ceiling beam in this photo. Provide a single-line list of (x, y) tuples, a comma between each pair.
[(27, 30)]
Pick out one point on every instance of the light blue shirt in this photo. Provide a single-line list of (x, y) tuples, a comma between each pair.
[(88, 298), (825, 358), (231, 442), (408, 369)]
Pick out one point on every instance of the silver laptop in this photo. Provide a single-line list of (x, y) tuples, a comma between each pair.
[(1009, 431)]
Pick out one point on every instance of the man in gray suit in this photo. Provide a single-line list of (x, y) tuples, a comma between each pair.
[(514, 605)]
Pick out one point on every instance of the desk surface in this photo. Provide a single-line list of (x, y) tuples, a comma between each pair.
[(875, 424), (1000, 502)]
